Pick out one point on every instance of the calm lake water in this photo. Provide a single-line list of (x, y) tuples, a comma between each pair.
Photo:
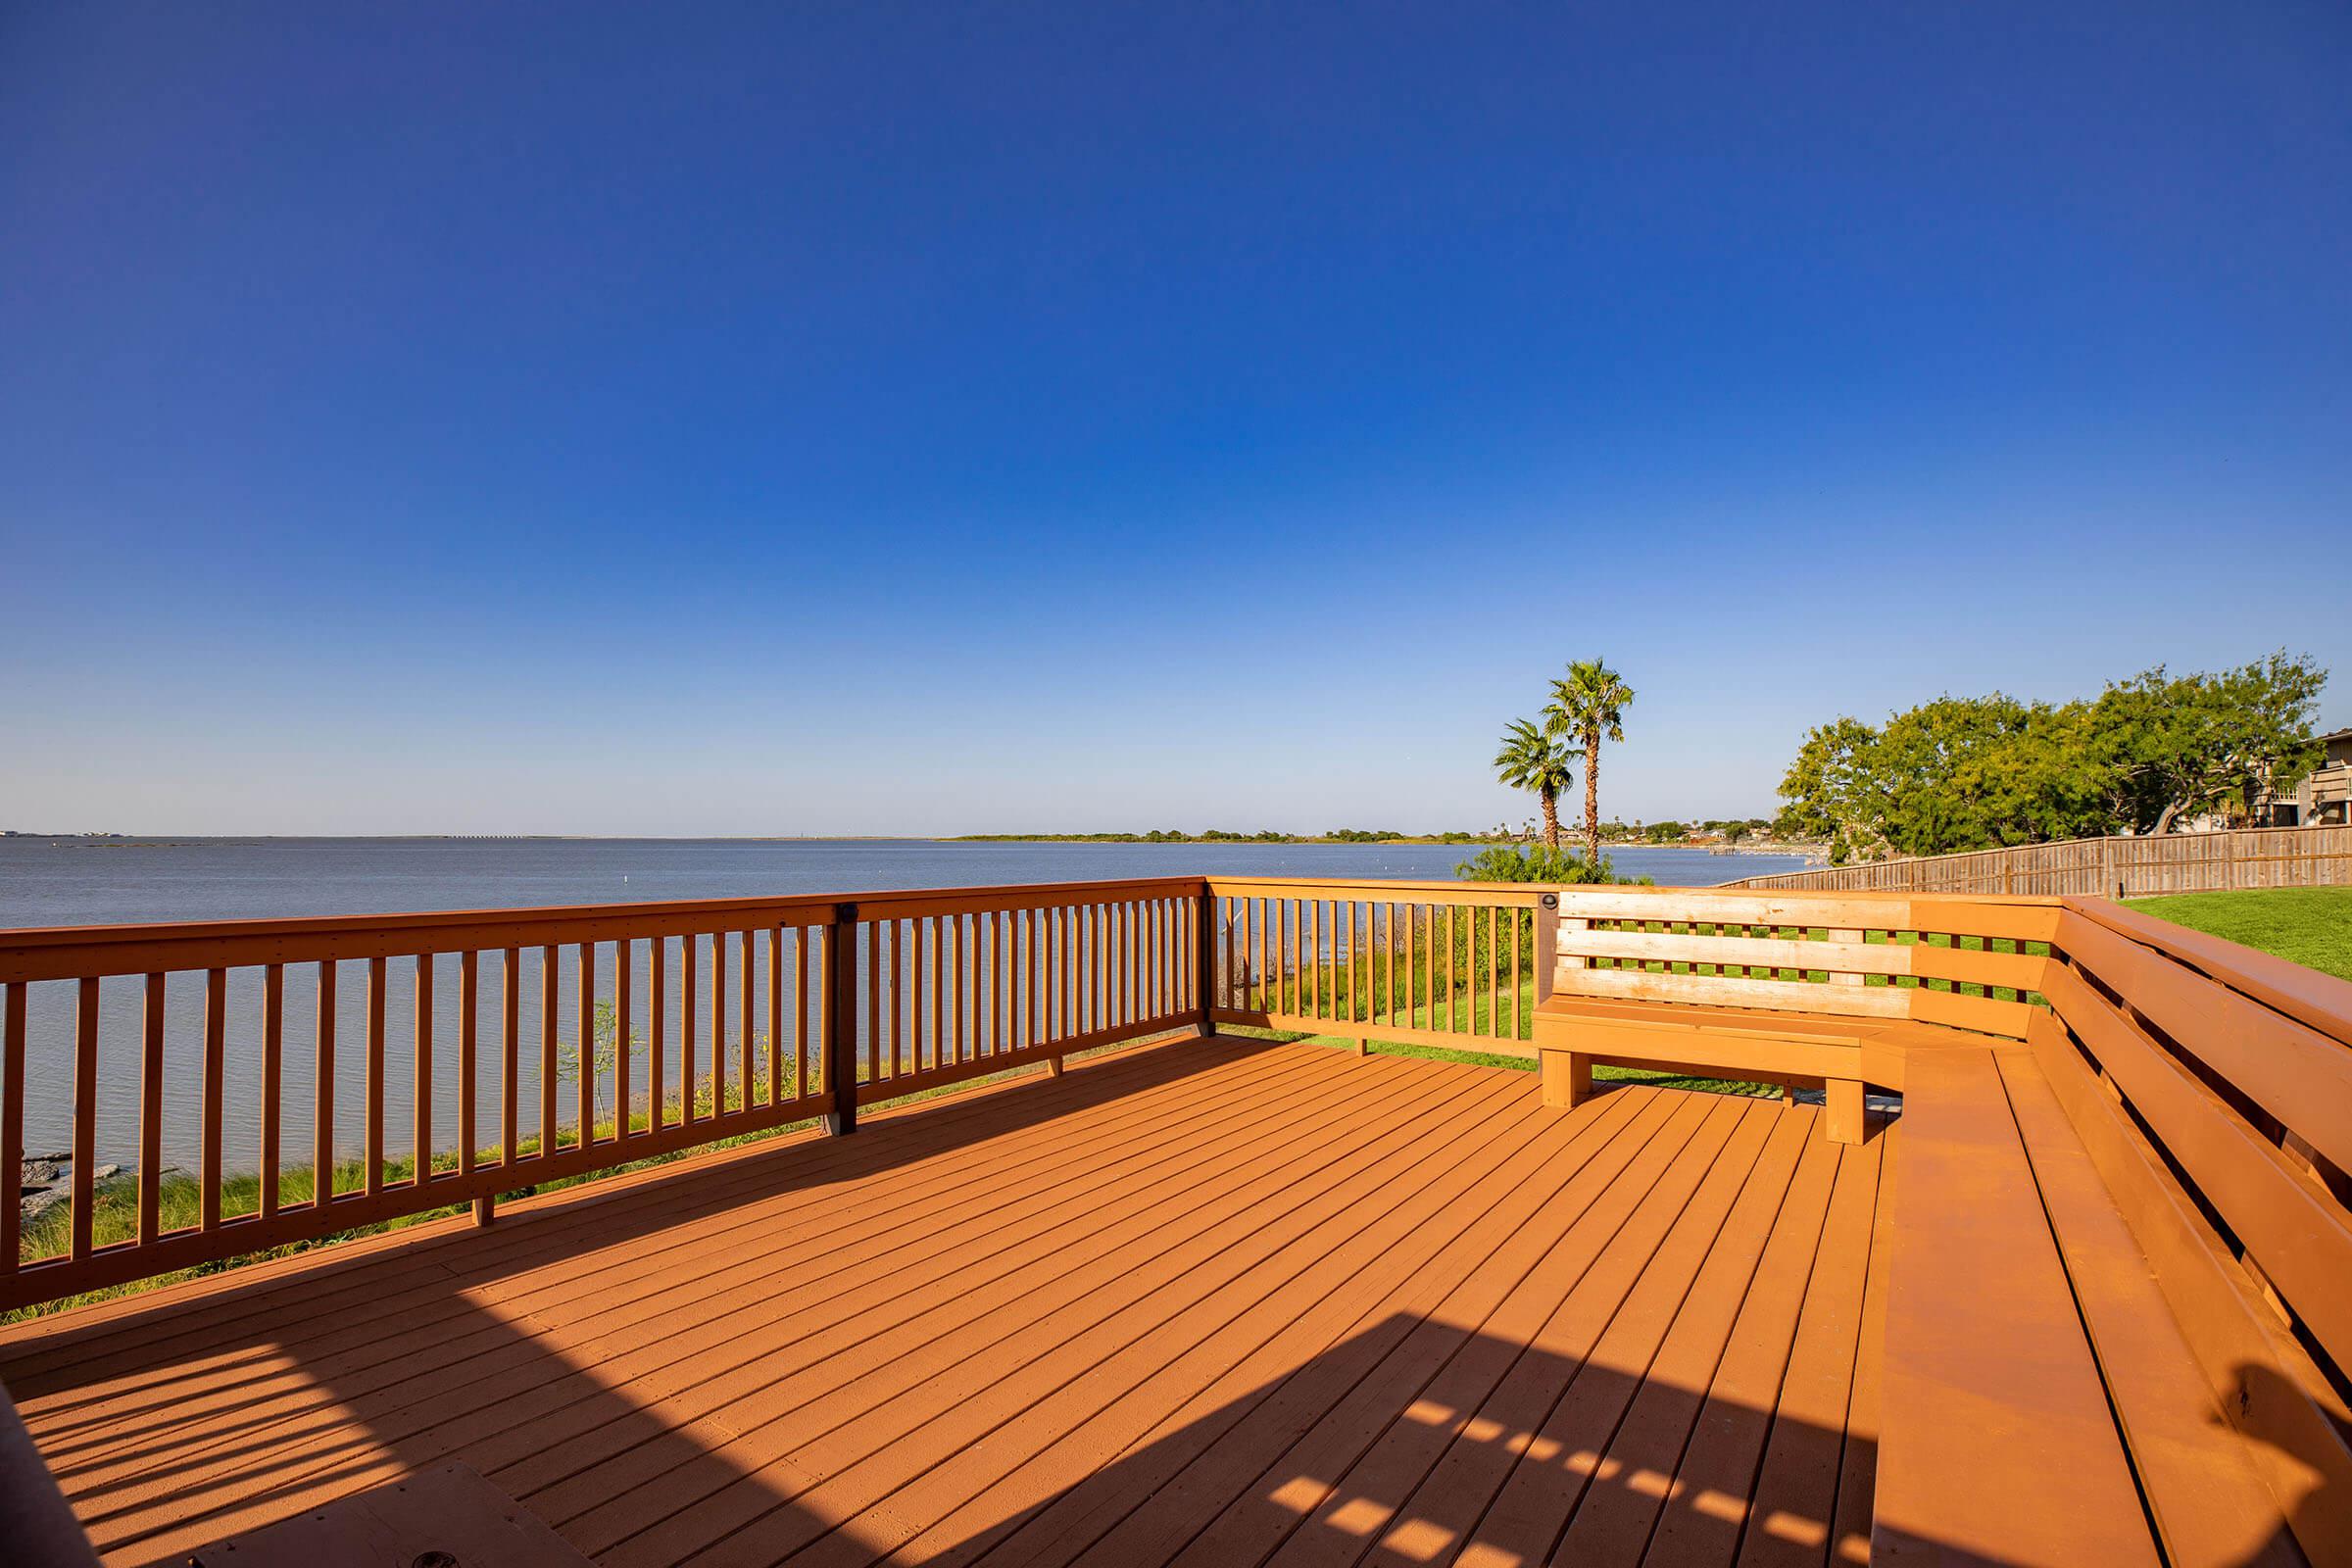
[(76, 882)]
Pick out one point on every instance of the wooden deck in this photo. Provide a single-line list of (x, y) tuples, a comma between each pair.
[(1216, 1302)]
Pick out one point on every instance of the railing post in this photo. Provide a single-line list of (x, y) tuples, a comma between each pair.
[(841, 1020), (1547, 942), (1204, 959)]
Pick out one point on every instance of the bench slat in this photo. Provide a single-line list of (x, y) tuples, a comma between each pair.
[(2297, 1238), (1784, 995), (2263, 1379), (2297, 1074), (1997, 1437), (2211, 1505)]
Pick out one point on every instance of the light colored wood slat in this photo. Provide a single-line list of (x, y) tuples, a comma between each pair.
[(2291, 1229), (1782, 996), (151, 1109)]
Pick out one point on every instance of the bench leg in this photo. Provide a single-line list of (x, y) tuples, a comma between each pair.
[(1842, 1122), (1567, 1078)]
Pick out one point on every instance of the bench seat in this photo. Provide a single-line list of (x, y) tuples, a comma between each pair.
[(1838, 1055)]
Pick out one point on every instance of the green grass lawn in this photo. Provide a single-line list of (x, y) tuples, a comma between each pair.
[(2312, 926)]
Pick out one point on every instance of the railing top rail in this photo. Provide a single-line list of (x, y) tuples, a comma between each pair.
[(44, 953), (1401, 891)]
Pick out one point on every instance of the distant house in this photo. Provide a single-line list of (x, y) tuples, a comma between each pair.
[(2324, 799)]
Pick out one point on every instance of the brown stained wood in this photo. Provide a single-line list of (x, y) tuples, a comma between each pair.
[(776, 1015), (470, 1031), (804, 1031), (657, 1081), (584, 1070), (625, 1044), (719, 1025), (215, 1102), (2211, 1505), (372, 1179), (509, 1055), (1977, 1402), (85, 1114), (420, 1142), (322, 1094), (151, 1108), (550, 1002), (687, 964), (747, 1036), (274, 1054), (12, 1126)]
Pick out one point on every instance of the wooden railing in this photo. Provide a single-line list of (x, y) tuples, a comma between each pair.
[(2103, 867), (1441, 963), (411, 1062)]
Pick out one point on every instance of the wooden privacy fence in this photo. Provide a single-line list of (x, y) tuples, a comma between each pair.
[(521, 1047), (2103, 867)]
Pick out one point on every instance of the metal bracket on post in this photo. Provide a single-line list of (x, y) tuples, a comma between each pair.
[(1547, 942), (841, 1020), (1204, 959)]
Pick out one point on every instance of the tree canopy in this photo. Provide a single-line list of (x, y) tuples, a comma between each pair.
[(1984, 772)]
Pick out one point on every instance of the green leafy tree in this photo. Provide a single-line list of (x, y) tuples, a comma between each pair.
[(1589, 705), (1538, 760), (2174, 746)]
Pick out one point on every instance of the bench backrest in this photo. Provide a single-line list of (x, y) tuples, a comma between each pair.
[(2212, 1086), (1967, 962)]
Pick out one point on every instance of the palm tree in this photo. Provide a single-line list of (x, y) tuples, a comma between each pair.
[(1533, 758), (1586, 705)]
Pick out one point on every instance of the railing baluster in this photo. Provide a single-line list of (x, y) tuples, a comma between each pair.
[(624, 1021), (719, 1024), (583, 1048), (687, 950), (874, 1060), (374, 1179), (551, 965), (744, 1046), (273, 1051), (657, 1080), (12, 1126), (150, 1110), (85, 1113), (775, 1015), (509, 1057), (423, 1109), (801, 937), (470, 1029), (323, 1093), (215, 1110), (933, 939)]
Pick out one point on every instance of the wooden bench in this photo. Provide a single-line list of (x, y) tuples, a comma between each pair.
[(1807, 990), (2119, 1307)]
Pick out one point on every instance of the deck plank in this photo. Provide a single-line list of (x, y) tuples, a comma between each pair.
[(1222, 1301)]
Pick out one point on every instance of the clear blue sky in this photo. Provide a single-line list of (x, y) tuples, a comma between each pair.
[(891, 418)]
